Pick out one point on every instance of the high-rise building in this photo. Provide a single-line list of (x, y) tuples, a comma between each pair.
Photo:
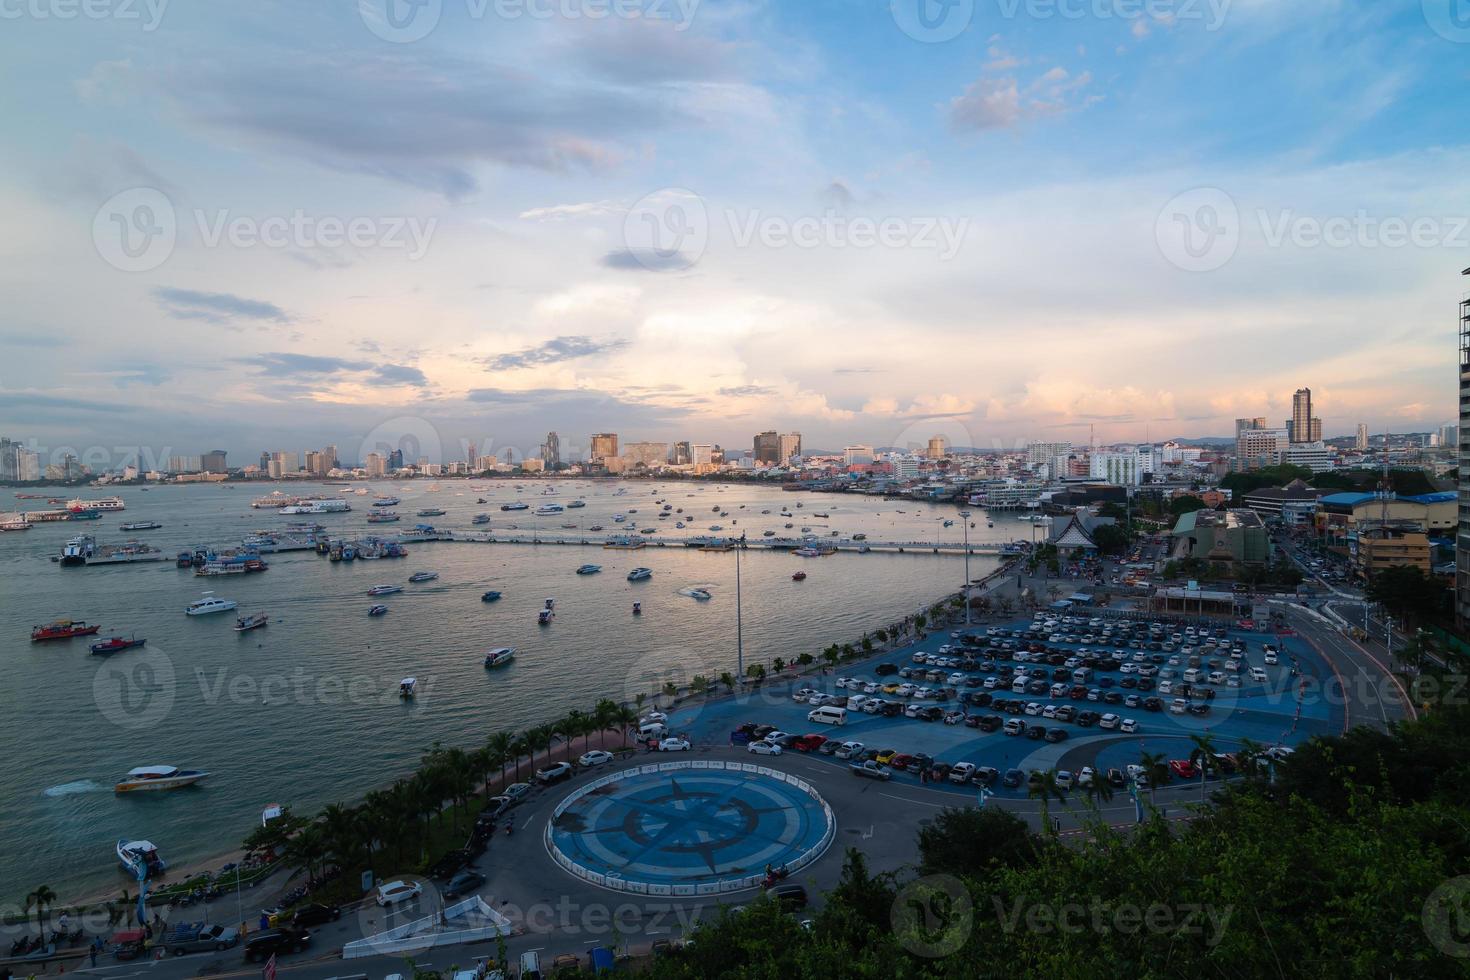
[(1316, 430), (27, 465), (375, 465), (213, 461), (604, 445), (184, 464), (682, 455), (857, 455), (9, 461), (937, 448), (282, 463), (1257, 446), (647, 454), (316, 463), (1301, 415), (551, 451), (790, 446), (1462, 537), (768, 447), (1449, 435), (395, 460), (1362, 443), (333, 460), (1044, 453), (702, 454), (1118, 468)]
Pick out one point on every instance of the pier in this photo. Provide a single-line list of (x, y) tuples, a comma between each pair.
[(643, 541)]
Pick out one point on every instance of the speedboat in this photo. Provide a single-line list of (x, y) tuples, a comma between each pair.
[(550, 605), (385, 590), (431, 512), (595, 527), (246, 623), (271, 811), (408, 687), (491, 596), (116, 644), (637, 609), (768, 534), (640, 574), (518, 505), (589, 569), (62, 629), (856, 537), (481, 519), (544, 617), (799, 577), (158, 777), (423, 576), (140, 857), (547, 509), (500, 656), (698, 594), (209, 604), (379, 610)]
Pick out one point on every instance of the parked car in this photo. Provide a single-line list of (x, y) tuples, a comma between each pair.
[(393, 892), (463, 883), (554, 774), (314, 915), (199, 937), (263, 945), (1013, 778), (871, 770), (596, 757), (848, 749), (763, 748), (673, 745)]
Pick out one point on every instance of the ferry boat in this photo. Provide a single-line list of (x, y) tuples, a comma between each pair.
[(423, 576), (115, 644), (209, 604), (481, 519), (382, 517), (408, 687), (316, 507), (148, 778), (500, 656), (14, 522), (491, 596), (140, 526), (245, 624), (518, 505), (140, 856), (232, 565), (83, 550), (62, 629), (378, 610), (431, 512), (640, 575), (589, 569), (385, 590), (105, 504)]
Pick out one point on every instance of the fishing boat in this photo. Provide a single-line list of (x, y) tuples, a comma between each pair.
[(62, 629), (385, 590), (640, 575), (589, 569), (383, 517), (821, 514), (423, 576), (379, 610), (386, 502), (576, 503), (799, 577), (209, 604), (491, 596), (245, 624), (544, 617), (408, 687), (116, 644), (140, 856), (500, 656), (148, 778)]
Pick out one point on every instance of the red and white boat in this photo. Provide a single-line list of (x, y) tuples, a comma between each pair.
[(62, 629)]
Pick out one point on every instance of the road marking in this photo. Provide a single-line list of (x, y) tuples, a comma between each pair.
[(905, 799)]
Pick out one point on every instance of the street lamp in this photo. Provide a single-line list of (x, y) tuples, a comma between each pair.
[(966, 516), (739, 625)]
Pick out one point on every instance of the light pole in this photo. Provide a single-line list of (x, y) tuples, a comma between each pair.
[(966, 516), (739, 625)]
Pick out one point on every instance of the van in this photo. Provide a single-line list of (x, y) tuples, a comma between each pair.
[(1082, 675), (828, 715), (1015, 726), (652, 729), (1191, 675), (1018, 686), (530, 965)]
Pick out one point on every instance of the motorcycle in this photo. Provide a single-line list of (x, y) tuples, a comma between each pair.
[(775, 875)]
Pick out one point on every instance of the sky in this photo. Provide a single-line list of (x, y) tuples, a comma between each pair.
[(285, 224)]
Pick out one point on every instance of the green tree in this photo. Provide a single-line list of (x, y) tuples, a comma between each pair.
[(973, 840)]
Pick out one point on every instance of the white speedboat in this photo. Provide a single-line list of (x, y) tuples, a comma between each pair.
[(500, 656), (423, 576), (408, 687), (589, 569), (698, 593), (640, 574), (210, 603), (140, 856), (385, 590), (271, 811), (158, 777), (546, 509)]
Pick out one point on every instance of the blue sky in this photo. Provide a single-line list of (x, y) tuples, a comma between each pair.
[(285, 224)]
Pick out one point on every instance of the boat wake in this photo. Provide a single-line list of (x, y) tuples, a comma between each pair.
[(73, 788)]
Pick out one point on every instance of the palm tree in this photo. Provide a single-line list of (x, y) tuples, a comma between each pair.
[(1044, 789), (670, 691), (1098, 791), (699, 684), (626, 718), (1250, 755), (727, 679), (43, 897), (1153, 766), (605, 715), (340, 831), (578, 723), (638, 700), (1202, 755), (498, 747), (518, 747)]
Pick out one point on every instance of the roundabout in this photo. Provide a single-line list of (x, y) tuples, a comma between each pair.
[(689, 828)]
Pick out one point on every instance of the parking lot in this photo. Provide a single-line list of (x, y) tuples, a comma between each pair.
[(1048, 693)]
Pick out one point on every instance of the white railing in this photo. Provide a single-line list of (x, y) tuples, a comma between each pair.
[(480, 922)]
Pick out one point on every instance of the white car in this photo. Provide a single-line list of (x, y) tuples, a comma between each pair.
[(1258, 673), (596, 757), (1178, 706), (872, 687), (1271, 657), (393, 892), (956, 679), (873, 706), (552, 773), (1086, 776), (962, 772), (817, 700), (855, 702), (842, 682), (763, 748), (654, 718), (1065, 779), (1050, 711), (1128, 725), (906, 690), (990, 683), (1033, 708), (1109, 721), (805, 694), (517, 790), (848, 750), (673, 745)]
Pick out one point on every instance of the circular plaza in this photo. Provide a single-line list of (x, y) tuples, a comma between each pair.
[(689, 827)]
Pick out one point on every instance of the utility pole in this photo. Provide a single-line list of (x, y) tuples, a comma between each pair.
[(739, 625), (966, 515)]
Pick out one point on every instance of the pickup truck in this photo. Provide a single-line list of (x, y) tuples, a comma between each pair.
[(199, 937), (871, 770)]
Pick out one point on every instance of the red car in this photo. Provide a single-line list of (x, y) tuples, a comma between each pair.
[(900, 761), (809, 743), (1183, 768)]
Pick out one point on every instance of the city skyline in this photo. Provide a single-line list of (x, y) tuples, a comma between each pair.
[(501, 284)]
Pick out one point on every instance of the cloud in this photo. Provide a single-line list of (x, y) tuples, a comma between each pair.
[(647, 260), (554, 351), (400, 374), (189, 304), (284, 363), (1002, 102), (747, 391), (589, 209)]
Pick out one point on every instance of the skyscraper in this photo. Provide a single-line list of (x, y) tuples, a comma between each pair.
[(1362, 443), (937, 448), (213, 461), (9, 459), (551, 451), (1301, 415), (790, 446), (683, 454), (768, 447), (604, 446)]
